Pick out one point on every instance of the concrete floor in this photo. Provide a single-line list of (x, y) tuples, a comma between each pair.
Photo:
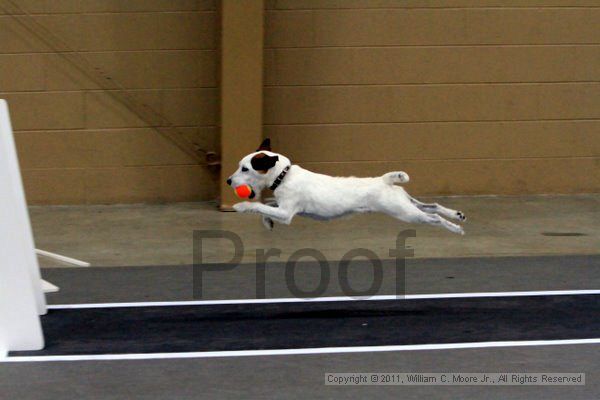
[(302, 376), (136, 235), (437, 275), (127, 235)]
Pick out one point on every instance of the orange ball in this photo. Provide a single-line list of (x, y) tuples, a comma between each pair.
[(243, 191)]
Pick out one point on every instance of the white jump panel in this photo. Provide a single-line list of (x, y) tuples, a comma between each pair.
[(21, 296)]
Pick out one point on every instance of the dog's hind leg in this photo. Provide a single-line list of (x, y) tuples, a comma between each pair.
[(438, 209), (395, 177), (434, 219), (411, 213)]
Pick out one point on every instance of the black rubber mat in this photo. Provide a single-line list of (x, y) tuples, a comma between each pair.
[(324, 324)]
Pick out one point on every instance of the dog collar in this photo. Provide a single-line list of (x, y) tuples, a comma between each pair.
[(279, 178)]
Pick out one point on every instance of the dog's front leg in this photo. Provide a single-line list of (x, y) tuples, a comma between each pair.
[(266, 221), (277, 213)]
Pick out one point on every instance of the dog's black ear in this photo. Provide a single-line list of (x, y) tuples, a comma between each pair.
[(262, 162), (265, 145)]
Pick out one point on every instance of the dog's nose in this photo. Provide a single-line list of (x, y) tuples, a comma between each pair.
[(229, 181)]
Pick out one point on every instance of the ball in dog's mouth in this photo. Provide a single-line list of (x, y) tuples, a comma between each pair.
[(245, 192)]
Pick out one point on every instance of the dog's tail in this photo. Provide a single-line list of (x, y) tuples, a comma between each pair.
[(395, 177)]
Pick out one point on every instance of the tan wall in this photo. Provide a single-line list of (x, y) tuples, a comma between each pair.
[(468, 97), (241, 86), (76, 143)]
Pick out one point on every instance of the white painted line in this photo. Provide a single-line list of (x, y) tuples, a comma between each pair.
[(325, 299), (287, 352), (61, 258)]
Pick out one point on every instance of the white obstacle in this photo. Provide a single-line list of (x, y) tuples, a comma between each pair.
[(48, 287), (21, 297), (61, 258)]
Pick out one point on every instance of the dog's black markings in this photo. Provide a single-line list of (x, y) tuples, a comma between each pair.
[(279, 178), (265, 145), (318, 324), (263, 162)]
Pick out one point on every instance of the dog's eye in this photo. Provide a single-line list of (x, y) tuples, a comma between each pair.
[(244, 169)]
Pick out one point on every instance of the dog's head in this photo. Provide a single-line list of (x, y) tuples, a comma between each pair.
[(259, 169)]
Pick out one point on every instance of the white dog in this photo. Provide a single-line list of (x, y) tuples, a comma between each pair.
[(301, 192)]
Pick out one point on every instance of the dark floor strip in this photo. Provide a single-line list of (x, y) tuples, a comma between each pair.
[(310, 325), (438, 275)]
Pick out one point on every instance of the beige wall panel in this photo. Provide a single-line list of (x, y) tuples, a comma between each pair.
[(324, 66), (291, 105), (117, 185), (141, 184), (114, 185), (516, 176), (29, 6), (362, 4), (289, 29), (115, 31), (44, 110), (136, 69), (62, 74), (206, 137), (436, 141), (106, 148), (77, 143), (164, 69), (94, 6), (103, 110), (51, 186), (188, 183), (187, 30), (112, 6), (432, 27), (82, 146), (21, 72), (473, 97), (15, 39), (184, 107)]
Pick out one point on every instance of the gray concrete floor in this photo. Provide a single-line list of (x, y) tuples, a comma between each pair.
[(302, 376), (133, 235), (438, 275)]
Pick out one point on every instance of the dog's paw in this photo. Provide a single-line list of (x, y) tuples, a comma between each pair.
[(267, 223), (403, 177), (461, 216), (244, 206), (455, 228)]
